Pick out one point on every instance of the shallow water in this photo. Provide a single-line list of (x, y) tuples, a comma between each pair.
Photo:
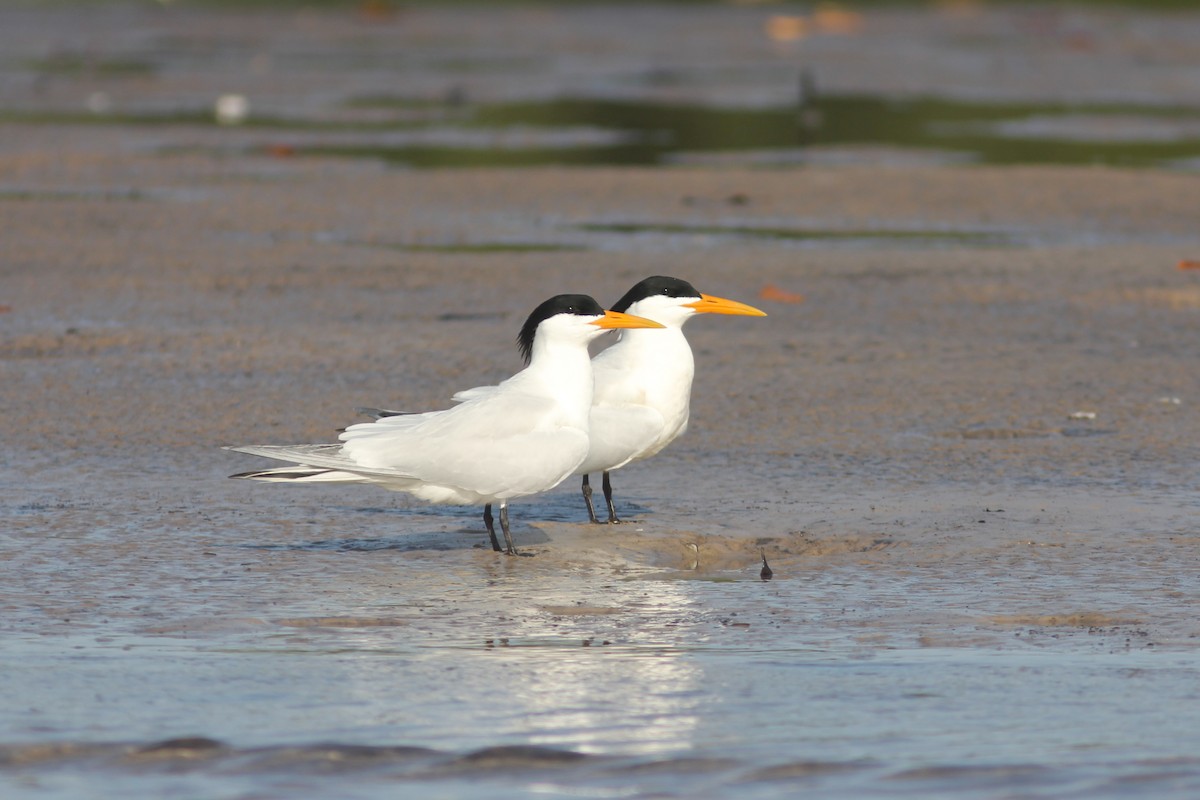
[(312, 643), (600, 86), (585, 132), (625, 720)]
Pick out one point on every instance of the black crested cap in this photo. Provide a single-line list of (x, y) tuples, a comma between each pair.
[(579, 304), (655, 285)]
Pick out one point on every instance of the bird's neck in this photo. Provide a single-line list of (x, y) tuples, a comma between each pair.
[(564, 372), (653, 369), (658, 349)]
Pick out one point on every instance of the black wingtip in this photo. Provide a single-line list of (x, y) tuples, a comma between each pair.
[(380, 413), (282, 476)]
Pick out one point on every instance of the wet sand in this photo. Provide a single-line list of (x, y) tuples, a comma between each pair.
[(970, 463)]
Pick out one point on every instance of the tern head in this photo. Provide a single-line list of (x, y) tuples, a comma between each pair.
[(673, 302), (574, 317)]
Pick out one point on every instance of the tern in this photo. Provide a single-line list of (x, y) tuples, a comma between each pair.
[(643, 384), (520, 437)]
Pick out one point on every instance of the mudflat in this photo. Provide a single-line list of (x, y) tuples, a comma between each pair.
[(964, 437)]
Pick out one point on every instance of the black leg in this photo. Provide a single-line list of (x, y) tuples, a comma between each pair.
[(612, 511), (587, 498), (487, 520), (512, 551)]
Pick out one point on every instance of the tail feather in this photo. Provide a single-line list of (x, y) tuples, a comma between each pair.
[(299, 453), (311, 460)]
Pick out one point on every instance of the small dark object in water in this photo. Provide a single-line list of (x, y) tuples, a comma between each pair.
[(766, 574)]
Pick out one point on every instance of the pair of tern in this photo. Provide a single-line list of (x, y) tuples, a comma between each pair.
[(564, 414)]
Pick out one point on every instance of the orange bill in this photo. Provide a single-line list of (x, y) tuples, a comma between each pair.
[(707, 304), (615, 319)]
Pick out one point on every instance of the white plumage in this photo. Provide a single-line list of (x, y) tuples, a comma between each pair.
[(643, 384), (499, 443)]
